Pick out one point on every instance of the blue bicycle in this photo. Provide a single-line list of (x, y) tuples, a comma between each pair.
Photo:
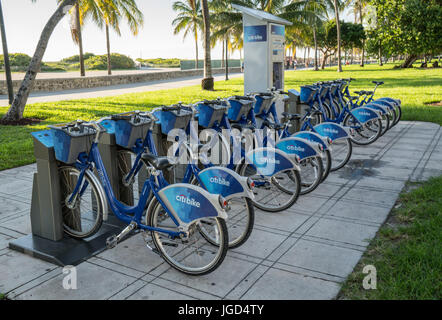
[(236, 190), (176, 217)]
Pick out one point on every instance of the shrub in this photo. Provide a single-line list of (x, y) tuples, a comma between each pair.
[(118, 61), (21, 60), (76, 58)]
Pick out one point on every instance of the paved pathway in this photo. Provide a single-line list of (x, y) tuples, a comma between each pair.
[(305, 252), (115, 90), (76, 74)]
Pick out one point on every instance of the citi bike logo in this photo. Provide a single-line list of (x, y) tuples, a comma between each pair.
[(292, 147), (190, 201), (265, 161), (330, 130), (365, 113), (219, 180)]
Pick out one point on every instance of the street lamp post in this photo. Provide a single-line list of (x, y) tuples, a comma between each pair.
[(6, 57)]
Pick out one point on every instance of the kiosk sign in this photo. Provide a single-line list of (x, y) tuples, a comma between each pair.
[(255, 33)]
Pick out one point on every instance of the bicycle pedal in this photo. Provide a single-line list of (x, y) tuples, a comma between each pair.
[(111, 242)]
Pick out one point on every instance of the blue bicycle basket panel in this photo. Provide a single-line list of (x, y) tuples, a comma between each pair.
[(307, 94), (331, 130), (109, 125), (173, 119), (188, 203), (69, 144), (208, 114), (310, 136), (382, 109), (238, 109), (295, 146), (268, 161), (363, 114), (220, 181)]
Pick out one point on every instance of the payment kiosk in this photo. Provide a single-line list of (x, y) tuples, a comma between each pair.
[(264, 47)]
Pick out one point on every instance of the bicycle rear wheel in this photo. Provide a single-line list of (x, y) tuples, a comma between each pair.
[(240, 222), (366, 133), (194, 255), (311, 174), (83, 216), (273, 194), (340, 152)]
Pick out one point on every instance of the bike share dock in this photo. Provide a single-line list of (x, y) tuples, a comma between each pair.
[(305, 252)]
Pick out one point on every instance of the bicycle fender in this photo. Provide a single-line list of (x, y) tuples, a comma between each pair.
[(363, 114), (312, 137), (388, 99), (269, 161), (226, 182), (375, 106), (332, 130), (383, 103), (189, 203), (297, 146)]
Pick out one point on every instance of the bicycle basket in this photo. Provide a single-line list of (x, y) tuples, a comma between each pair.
[(238, 108), (209, 113), (129, 127), (174, 119), (263, 104), (307, 94), (69, 142)]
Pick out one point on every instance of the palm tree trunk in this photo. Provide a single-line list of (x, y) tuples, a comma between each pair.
[(316, 49), (363, 41), (338, 27), (80, 40), (6, 57), (196, 47), (207, 82), (227, 61), (17, 108), (222, 55), (109, 65), (380, 55)]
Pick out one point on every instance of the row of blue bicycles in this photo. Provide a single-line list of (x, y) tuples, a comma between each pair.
[(234, 154)]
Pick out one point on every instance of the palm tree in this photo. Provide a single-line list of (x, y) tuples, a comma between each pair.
[(17, 108), (75, 25), (338, 27), (189, 19), (207, 82), (109, 13)]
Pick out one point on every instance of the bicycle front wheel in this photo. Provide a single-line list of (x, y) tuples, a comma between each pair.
[(193, 255), (83, 215)]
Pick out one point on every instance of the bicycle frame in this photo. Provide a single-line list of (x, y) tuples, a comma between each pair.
[(123, 212)]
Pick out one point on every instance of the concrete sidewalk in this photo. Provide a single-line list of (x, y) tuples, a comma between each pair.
[(305, 252), (115, 90)]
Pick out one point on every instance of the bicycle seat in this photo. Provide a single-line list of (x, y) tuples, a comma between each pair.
[(362, 92), (264, 94), (159, 163), (291, 116), (242, 98), (378, 82), (272, 125), (369, 92)]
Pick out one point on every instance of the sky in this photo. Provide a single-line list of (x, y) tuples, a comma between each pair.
[(24, 21)]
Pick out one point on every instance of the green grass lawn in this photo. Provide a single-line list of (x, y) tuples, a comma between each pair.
[(414, 87), (407, 252)]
